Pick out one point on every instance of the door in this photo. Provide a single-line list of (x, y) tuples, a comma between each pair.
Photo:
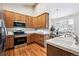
[(43, 20), (9, 19), (30, 22), (34, 22), (23, 17), (17, 17), (2, 38)]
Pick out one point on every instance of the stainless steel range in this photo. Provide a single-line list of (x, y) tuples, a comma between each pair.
[(20, 38)]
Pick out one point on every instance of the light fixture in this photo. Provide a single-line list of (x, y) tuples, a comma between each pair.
[(57, 10)]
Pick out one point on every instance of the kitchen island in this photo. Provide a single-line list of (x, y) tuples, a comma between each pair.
[(61, 46)]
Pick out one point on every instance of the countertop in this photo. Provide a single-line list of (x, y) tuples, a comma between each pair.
[(31, 32), (64, 47)]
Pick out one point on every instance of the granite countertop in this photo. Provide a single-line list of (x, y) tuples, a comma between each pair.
[(60, 44), (31, 32)]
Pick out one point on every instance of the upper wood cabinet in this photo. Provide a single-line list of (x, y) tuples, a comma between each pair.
[(26, 20), (9, 18), (23, 18), (42, 20), (30, 21), (17, 17), (34, 22)]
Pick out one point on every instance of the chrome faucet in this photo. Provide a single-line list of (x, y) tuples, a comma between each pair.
[(74, 37)]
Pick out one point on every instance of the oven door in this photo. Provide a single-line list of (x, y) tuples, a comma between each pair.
[(20, 41)]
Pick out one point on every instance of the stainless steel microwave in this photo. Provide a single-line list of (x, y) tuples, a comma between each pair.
[(19, 24)]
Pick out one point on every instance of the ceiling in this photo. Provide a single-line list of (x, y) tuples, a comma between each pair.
[(64, 9), (28, 4)]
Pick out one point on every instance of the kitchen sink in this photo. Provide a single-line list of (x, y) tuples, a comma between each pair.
[(63, 41)]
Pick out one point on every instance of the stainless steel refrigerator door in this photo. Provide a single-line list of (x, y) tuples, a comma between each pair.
[(2, 40)]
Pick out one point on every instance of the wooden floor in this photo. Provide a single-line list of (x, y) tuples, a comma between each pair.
[(29, 50)]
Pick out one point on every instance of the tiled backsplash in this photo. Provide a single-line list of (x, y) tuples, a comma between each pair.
[(24, 29)]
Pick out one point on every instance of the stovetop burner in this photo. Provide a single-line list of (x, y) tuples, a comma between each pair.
[(19, 32)]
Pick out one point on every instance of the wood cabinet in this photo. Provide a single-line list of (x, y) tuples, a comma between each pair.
[(17, 17), (9, 42), (30, 38), (23, 18), (29, 21), (20, 17), (42, 21), (54, 51), (38, 38), (34, 22), (9, 18)]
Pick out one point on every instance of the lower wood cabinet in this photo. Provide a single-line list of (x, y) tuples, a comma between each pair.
[(30, 38), (54, 51), (38, 38), (9, 42)]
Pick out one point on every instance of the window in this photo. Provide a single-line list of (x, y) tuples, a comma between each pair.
[(64, 25)]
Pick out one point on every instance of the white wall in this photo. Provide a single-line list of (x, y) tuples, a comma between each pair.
[(19, 9), (76, 25)]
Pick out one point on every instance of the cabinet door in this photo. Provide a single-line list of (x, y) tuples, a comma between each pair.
[(28, 39), (9, 18), (9, 42), (34, 22), (17, 17), (40, 39), (30, 22), (27, 21), (23, 17), (42, 20), (32, 38)]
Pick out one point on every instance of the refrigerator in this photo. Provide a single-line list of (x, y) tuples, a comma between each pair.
[(3, 33)]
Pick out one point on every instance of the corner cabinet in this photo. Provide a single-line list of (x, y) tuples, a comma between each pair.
[(37, 38), (43, 20), (9, 18), (54, 51)]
